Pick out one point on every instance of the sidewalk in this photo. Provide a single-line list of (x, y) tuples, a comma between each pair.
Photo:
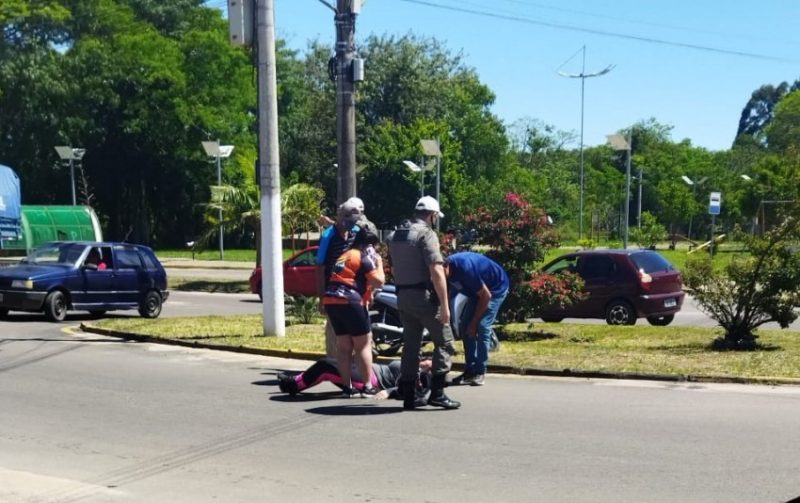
[(187, 263)]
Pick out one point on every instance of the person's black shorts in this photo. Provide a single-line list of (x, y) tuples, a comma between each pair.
[(348, 319)]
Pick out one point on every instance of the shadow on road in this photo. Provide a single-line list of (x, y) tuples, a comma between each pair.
[(354, 410)]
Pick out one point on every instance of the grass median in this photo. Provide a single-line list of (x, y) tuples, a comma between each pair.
[(640, 349)]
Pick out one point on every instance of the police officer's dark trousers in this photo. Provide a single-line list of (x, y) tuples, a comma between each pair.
[(419, 311)]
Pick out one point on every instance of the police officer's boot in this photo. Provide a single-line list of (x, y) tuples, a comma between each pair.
[(438, 398), (408, 392)]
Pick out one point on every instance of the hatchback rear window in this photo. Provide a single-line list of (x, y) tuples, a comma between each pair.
[(651, 262)]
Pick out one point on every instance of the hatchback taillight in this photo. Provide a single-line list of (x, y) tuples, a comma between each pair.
[(645, 279)]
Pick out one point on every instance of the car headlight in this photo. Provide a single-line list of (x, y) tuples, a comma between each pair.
[(26, 284)]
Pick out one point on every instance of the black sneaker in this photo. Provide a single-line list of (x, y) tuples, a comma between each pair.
[(465, 378), (349, 392), (287, 384), (444, 401), (368, 391)]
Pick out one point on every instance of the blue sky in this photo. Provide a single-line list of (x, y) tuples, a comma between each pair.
[(516, 46)]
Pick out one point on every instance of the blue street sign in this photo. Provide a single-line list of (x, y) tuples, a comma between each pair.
[(715, 203)]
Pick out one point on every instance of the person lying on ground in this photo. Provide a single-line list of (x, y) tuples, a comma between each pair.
[(385, 378)]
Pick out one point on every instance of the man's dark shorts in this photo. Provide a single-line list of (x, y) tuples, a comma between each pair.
[(348, 319)]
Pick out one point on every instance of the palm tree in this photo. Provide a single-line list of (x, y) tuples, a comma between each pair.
[(300, 208), (241, 211)]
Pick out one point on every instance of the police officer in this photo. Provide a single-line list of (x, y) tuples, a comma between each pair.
[(422, 300)]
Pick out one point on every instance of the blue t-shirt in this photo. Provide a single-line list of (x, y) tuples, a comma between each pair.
[(470, 271), (332, 246)]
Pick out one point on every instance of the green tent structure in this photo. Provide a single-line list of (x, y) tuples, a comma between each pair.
[(41, 224)]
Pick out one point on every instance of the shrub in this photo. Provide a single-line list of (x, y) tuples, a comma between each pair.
[(651, 232), (753, 289), (544, 290), (305, 309)]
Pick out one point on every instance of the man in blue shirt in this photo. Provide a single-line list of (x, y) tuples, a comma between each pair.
[(485, 283)]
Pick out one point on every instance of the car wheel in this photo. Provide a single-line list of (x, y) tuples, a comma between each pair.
[(3, 312), (552, 319), (661, 321), (620, 312), (97, 313), (55, 306), (151, 305)]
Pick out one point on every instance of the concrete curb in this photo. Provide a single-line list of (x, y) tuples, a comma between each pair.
[(491, 369)]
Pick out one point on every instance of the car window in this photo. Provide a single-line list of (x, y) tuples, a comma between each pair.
[(597, 266), (56, 254), (305, 258), (565, 264), (127, 258), (100, 257), (149, 261), (651, 262)]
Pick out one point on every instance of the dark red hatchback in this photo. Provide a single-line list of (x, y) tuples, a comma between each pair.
[(623, 285)]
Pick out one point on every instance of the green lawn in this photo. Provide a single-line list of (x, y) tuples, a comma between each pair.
[(642, 349)]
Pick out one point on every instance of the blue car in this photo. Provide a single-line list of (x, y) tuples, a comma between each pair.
[(84, 276)]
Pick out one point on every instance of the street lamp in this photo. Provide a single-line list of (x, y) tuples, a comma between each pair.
[(583, 76), (71, 154), (416, 169), (694, 186), (214, 149), (431, 148), (618, 142)]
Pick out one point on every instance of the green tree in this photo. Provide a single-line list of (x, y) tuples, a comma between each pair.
[(759, 110)]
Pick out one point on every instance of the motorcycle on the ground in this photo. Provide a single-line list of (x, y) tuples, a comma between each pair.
[(387, 329)]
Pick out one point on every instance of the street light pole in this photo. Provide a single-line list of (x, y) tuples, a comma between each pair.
[(72, 179), (214, 149), (432, 148), (221, 226), (627, 190), (583, 76), (618, 142), (639, 213), (67, 153)]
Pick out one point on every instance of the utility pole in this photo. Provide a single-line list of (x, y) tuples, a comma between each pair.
[(348, 71), (583, 76), (274, 317)]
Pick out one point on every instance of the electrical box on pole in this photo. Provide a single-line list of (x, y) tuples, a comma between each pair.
[(240, 22), (358, 70)]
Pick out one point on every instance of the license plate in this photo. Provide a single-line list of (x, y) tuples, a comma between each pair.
[(670, 303)]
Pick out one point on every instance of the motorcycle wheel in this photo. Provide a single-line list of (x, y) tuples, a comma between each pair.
[(385, 343)]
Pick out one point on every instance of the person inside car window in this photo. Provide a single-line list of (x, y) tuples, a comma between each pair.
[(95, 259)]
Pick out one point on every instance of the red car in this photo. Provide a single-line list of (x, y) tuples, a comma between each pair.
[(298, 274), (623, 285)]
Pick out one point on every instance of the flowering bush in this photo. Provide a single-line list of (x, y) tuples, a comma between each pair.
[(517, 235)]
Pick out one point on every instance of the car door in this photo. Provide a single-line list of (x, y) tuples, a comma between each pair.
[(299, 273), (130, 275), (566, 263), (599, 274), (98, 283)]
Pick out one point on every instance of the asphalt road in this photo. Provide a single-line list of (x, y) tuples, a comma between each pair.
[(94, 419)]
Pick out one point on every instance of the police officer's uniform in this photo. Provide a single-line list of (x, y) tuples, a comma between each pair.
[(413, 246)]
